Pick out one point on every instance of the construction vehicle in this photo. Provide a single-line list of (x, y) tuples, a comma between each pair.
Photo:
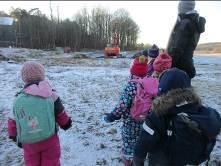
[(113, 49)]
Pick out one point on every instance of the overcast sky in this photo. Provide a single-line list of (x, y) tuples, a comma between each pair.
[(155, 18)]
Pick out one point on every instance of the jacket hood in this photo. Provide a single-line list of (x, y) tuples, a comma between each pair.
[(193, 15), (167, 103), (42, 89), (198, 20)]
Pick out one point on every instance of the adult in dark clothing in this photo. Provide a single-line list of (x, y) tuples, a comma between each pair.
[(185, 36), (176, 97)]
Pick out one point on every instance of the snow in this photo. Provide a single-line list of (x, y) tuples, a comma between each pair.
[(89, 88)]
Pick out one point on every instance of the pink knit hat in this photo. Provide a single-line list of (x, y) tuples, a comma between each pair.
[(162, 62), (32, 71)]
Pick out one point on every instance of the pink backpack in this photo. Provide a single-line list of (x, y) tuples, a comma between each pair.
[(147, 88)]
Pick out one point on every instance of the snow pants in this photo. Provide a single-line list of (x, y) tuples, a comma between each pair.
[(44, 153), (130, 133)]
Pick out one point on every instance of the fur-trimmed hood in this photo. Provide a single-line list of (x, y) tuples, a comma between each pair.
[(174, 99)]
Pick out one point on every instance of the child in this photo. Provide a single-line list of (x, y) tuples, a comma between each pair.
[(145, 52), (179, 130), (142, 52), (153, 52), (37, 109), (131, 128)]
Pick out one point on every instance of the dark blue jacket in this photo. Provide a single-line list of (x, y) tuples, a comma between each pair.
[(154, 136), (183, 41)]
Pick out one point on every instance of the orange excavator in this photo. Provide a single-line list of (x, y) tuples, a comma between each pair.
[(113, 49)]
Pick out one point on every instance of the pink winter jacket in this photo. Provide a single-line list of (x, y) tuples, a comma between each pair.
[(44, 89)]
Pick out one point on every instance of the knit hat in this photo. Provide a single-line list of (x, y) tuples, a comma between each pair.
[(153, 52), (32, 71), (173, 78), (144, 52), (185, 6), (162, 62), (139, 67)]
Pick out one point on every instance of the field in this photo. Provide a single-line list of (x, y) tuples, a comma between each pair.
[(89, 87)]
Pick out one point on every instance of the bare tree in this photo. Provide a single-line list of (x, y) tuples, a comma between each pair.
[(86, 30)]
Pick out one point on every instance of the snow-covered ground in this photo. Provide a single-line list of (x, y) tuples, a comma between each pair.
[(90, 87)]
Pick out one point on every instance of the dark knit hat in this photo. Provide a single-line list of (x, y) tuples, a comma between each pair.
[(173, 78), (139, 67), (162, 62), (185, 6), (144, 52), (153, 52), (32, 71)]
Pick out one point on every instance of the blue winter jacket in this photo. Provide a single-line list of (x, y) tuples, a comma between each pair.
[(153, 139)]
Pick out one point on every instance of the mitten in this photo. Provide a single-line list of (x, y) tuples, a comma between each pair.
[(14, 138), (67, 125), (19, 144), (109, 118)]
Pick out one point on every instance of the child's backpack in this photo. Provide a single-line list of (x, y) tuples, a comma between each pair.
[(147, 89), (35, 119), (191, 137)]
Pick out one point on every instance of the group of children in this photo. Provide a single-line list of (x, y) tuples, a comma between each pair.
[(177, 129), (150, 64), (38, 111), (154, 96)]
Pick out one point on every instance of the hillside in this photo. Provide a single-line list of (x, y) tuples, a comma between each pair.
[(208, 48)]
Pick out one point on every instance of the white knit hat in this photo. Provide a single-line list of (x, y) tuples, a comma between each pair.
[(185, 6)]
